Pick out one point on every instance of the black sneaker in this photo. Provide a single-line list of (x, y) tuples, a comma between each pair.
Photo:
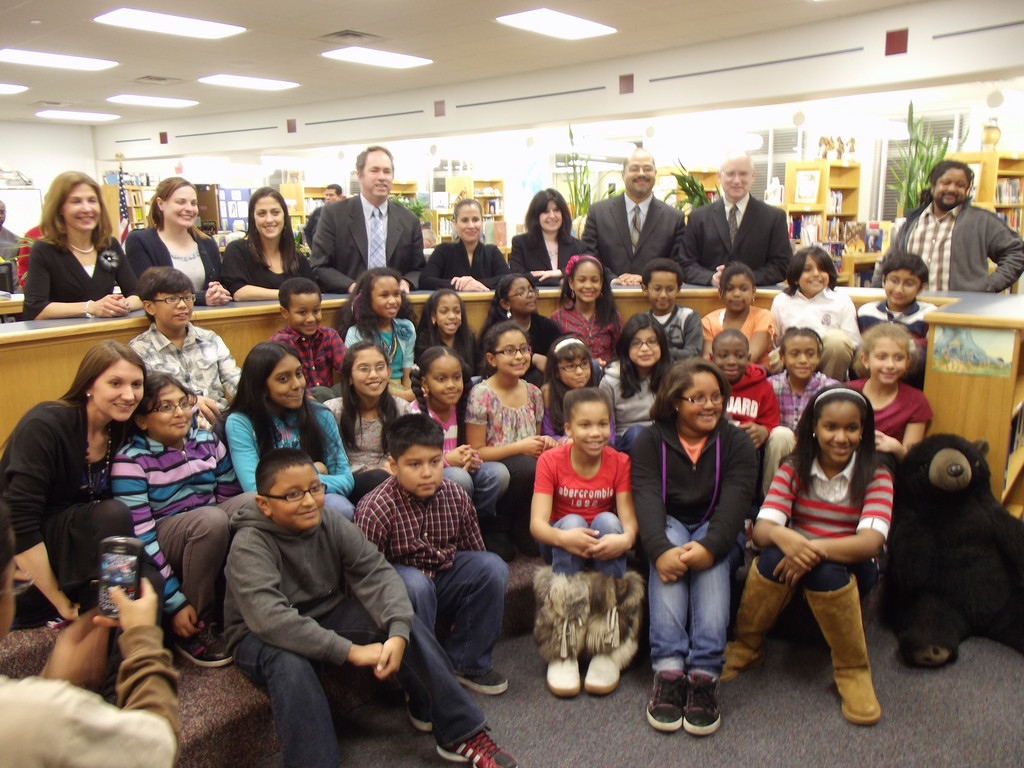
[(480, 751), (490, 682), (665, 709), (702, 716), (206, 648)]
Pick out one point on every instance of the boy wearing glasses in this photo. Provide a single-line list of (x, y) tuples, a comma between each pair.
[(904, 275), (427, 528), (320, 349), (306, 589), (197, 357), (660, 281)]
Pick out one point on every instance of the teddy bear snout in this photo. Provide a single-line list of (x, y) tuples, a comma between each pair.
[(955, 470)]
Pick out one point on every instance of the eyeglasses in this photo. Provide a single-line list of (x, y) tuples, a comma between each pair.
[(188, 298), (185, 404), (908, 285), (649, 343), (365, 370), (315, 490), (716, 399), (524, 350), (572, 367), (523, 293), (737, 174)]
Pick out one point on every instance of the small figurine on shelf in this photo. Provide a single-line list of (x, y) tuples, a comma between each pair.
[(839, 146), (824, 147), (851, 149)]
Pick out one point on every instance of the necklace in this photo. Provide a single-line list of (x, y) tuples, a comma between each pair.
[(90, 249), (95, 485)]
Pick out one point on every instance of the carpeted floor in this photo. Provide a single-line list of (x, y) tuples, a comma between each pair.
[(785, 713)]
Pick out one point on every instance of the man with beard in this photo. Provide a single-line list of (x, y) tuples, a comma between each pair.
[(629, 230), (957, 240)]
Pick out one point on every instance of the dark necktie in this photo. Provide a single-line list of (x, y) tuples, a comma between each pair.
[(733, 224)]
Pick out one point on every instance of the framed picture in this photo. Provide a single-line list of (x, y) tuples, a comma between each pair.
[(806, 186)]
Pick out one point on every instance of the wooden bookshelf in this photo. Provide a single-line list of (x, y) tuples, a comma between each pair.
[(406, 189), (835, 200), (138, 200), (998, 183), (667, 184), (490, 193), (301, 201)]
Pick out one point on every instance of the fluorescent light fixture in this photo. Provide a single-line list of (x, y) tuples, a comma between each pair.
[(58, 60), (253, 83), (84, 117), (150, 21), (8, 88), (359, 55), (151, 101), (556, 24)]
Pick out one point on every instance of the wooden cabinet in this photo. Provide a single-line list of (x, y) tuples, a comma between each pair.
[(975, 383), (825, 193), (998, 179), (138, 200)]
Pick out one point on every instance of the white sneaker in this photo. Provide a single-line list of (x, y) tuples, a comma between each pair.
[(602, 675), (564, 677)]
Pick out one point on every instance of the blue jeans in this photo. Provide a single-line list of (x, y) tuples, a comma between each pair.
[(826, 576), (565, 563), (340, 504), (485, 486), (624, 444), (302, 716), (689, 616), (469, 598)]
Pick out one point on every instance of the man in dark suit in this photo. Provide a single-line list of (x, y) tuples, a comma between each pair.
[(367, 231), (629, 230), (332, 193), (736, 228)]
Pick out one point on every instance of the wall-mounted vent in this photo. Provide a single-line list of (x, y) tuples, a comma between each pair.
[(157, 80), (350, 37)]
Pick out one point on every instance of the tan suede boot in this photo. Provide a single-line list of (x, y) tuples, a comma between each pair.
[(762, 602), (838, 614)]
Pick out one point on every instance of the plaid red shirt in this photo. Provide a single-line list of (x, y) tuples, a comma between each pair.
[(421, 534), (320, 355), (600, 338)]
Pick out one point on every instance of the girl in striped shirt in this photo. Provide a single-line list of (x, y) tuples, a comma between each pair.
[(825, 518)]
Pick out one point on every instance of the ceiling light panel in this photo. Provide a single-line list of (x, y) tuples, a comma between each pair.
[(151, 101), (82, 117), (252, 83), (359, 55), (56, 60), (8, 88), (149, 21), (556, 24)]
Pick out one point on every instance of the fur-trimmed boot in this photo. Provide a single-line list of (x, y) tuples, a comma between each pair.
[(762, 602), (838, 614), (613, 630), (563, 605)]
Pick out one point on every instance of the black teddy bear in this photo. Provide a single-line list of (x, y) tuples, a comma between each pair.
[(956, 556)]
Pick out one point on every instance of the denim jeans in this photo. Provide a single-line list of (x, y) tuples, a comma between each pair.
[(469, 598), (302, 716), (826, 576), (624, 444), (689, 616), (485, 486), (565, 563), (335, 502)]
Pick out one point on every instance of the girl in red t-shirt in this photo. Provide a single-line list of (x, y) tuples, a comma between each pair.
[(583, 513)]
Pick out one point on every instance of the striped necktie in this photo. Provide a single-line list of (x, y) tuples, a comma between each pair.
[(377, 256), (634, 230)]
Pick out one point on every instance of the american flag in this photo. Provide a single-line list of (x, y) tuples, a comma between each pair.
[(122, 226)]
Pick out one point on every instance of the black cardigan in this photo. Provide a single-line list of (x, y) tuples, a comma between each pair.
[(145, 249), (451, 260), (55, 275), (689, 487), (524, 258)]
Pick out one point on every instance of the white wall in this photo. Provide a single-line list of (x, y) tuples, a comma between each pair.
[(42, 150)]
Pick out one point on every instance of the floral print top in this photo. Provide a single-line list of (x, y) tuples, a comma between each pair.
[(505, 425)]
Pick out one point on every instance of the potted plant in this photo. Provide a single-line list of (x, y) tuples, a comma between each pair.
[(411, 204), (692, 193), (916, 160), (578, 180)]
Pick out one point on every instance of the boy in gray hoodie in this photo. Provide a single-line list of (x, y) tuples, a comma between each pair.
[(288, 611)]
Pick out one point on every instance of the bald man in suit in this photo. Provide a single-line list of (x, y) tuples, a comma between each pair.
[(635, 216), (343, 243), (761, 239)]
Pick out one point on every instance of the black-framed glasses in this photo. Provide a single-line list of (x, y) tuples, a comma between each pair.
[(185, 404), (188, 298), (716, 399), (315, 490), (573, 367), (524, 350), (649, 343)]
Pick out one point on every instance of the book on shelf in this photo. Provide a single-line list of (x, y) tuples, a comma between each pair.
[(877, 236), (855, 235), (1012, 218), (1007, 192), (835, 201)]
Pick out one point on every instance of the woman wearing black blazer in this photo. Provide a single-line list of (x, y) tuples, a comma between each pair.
[(172, 230), (548, 243), (465, 264)]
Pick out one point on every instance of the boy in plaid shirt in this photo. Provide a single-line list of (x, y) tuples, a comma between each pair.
[(427, 529), (319, 348)]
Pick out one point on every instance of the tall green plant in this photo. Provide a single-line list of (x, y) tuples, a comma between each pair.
[(694, 194), (578, 180), (411, 204), (916, 161)]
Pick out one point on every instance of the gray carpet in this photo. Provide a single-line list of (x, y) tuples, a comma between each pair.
[(784, 713)]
